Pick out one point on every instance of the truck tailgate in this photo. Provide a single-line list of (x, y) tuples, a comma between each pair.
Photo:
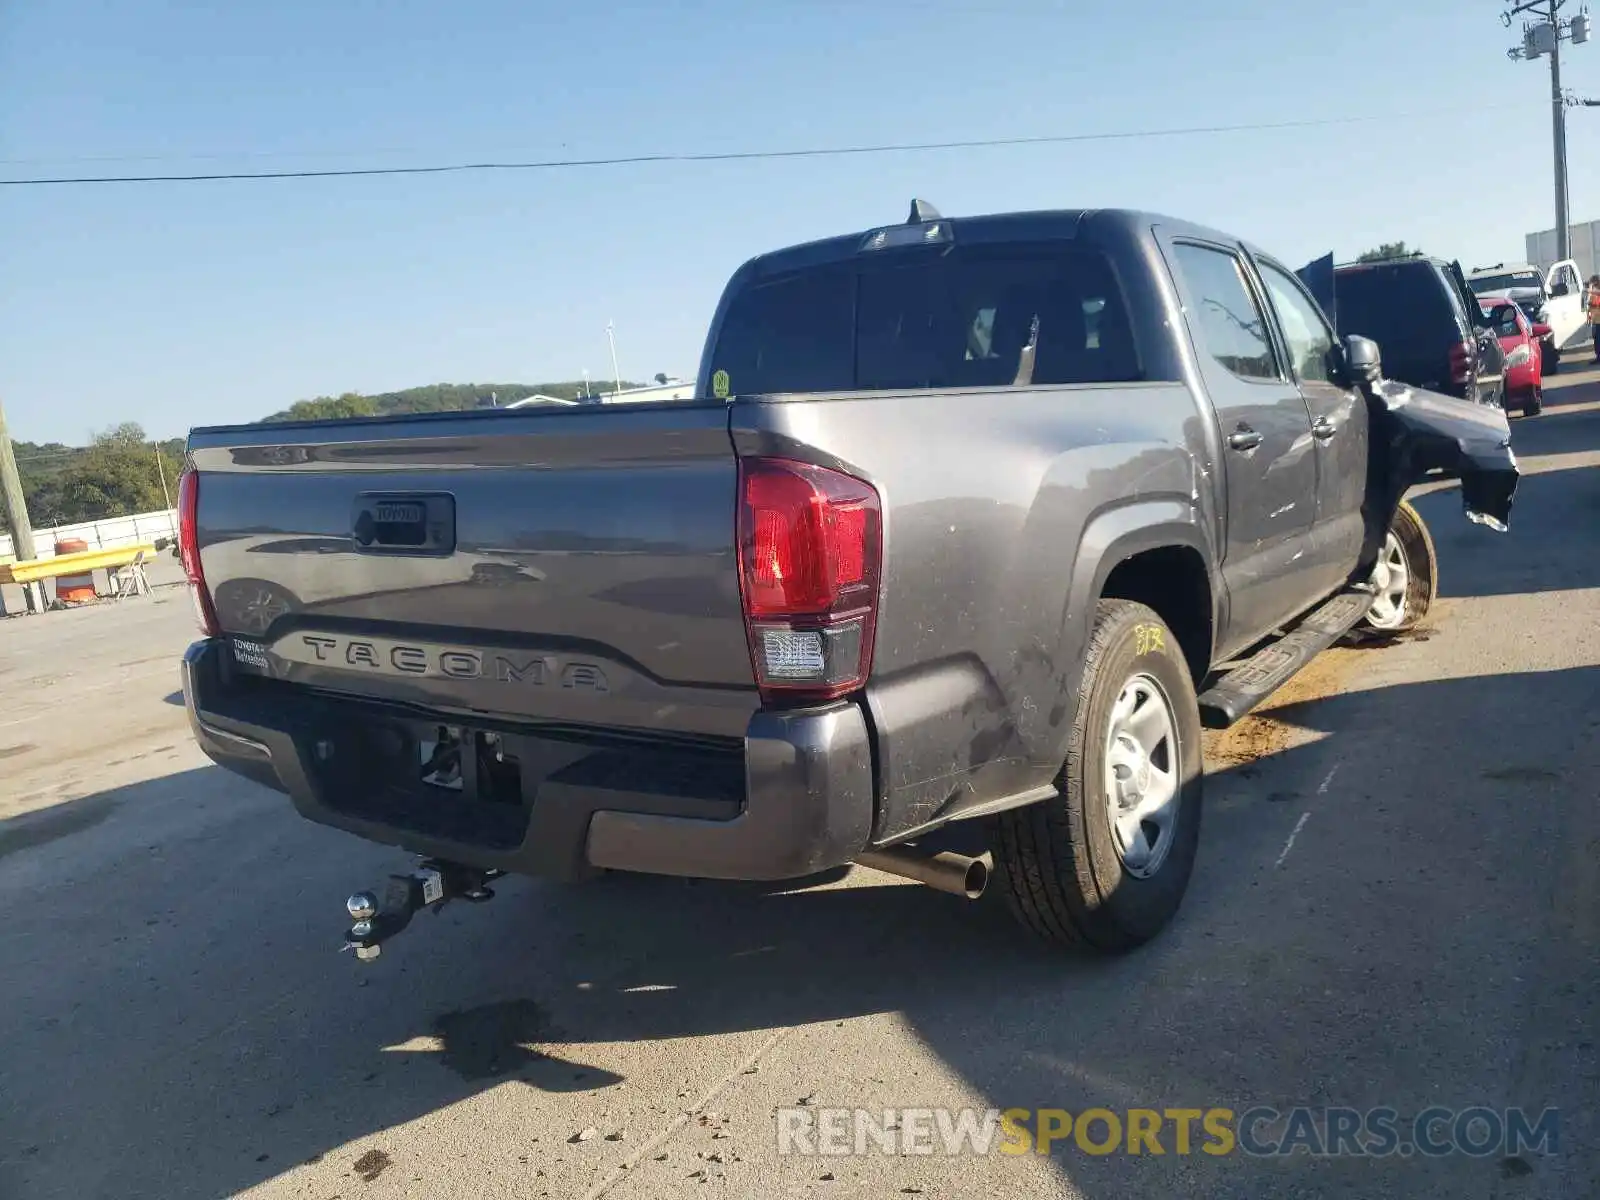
[(570, 566)]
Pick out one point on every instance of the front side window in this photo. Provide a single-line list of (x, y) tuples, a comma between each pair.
[(1304, 328), (979, 317), (1230, 322)]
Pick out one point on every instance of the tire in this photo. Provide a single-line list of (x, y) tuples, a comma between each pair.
[(1550, 359), (1534, 404), (1061, 863), (1398, 608)]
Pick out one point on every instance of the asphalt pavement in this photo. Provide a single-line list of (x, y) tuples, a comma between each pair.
[(1397, 904)]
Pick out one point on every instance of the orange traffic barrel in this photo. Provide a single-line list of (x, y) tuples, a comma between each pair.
[(74, 589)]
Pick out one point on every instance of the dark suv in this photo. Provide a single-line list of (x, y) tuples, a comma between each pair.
[(1427, 323)]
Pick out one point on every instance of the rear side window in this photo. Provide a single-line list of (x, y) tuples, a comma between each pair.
[(1231, 324), (1396, 304), (987, 317), (794, 334)]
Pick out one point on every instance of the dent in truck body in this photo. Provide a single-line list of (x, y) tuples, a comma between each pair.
[(1416, 432), (976, 634)]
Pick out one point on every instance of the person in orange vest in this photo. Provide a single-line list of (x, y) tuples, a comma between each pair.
[(1594, 313)]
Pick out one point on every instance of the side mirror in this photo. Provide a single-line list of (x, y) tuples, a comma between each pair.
[(1361, 360), (1560, 288), (1541, 331)]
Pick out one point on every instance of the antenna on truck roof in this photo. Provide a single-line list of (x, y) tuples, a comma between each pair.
[(922, 212)]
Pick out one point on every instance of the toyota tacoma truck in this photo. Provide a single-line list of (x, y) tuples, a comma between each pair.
[(975, 525)]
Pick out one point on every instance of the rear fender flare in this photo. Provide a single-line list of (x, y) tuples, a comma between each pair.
[(1112, 536)]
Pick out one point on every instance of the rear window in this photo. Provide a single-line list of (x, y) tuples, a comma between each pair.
[(961, 317), (1395, 304), (1493, 285)]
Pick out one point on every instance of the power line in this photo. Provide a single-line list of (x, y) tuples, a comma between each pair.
[(727, 156)]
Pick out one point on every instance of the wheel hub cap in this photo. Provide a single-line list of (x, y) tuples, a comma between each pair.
[(1141, 776), (1390, 581)]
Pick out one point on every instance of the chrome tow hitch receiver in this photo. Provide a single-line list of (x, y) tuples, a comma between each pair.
[(432, 885)]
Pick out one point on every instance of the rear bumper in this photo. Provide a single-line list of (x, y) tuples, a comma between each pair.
[(797, 800)]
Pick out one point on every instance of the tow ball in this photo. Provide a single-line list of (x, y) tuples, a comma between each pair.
[(432, 885)]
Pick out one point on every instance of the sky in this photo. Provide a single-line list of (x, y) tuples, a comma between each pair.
[(176, 305)]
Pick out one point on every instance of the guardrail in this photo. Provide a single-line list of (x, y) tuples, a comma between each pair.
[(40, 569)]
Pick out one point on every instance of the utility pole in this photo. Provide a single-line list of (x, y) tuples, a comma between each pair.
[(161, 469), (616, 371), (15, 507), (1541, 36)]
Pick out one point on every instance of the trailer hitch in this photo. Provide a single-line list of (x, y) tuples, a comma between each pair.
[(432, 885)]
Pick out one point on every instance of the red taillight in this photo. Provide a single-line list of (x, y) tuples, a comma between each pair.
[(810, 548), (189, 552), (1463, 356)]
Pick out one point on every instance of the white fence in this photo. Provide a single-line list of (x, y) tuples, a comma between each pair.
[(101, 535)]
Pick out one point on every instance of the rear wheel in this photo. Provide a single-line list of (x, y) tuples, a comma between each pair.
[(1405, 577), (1106, 862), (1534, 404)]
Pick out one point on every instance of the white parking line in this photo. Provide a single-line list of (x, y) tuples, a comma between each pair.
[(620, 1171), (1322, 790), (1289, 845)]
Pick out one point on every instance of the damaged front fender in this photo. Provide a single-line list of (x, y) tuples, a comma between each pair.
[(1418, 435)]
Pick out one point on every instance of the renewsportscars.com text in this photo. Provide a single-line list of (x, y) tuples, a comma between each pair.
[(1479, 1131)]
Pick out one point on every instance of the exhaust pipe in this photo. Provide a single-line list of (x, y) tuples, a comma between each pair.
[(953, 873)]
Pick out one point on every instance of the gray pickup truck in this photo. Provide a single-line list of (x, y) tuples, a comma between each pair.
[(978, 522)]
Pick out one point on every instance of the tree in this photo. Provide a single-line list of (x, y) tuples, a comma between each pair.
[(328, 408), (1389, 250), (435, 397), (113, 477), (661, 378)]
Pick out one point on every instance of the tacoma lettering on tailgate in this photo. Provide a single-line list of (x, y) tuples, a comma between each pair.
[(381, 655)]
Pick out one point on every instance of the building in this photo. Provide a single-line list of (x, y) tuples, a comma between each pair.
[(537, 398), (673, 389), (1585, 248)]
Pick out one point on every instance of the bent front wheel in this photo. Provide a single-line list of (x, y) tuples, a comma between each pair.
[(1404, 580)]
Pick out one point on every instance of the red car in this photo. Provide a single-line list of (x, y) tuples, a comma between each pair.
[(1524, 387)]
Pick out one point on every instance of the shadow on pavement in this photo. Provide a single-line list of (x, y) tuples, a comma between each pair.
[(187, 1006)]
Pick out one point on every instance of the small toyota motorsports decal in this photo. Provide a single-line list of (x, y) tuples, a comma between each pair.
[(251, 654)]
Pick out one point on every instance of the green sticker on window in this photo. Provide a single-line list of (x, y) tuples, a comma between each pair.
[(719, 385)]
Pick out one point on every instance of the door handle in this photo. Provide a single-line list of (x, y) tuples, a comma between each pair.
[(1244, 438), (1322, 429)]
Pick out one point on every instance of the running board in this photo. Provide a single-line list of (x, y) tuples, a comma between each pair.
[(1253, 680)]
